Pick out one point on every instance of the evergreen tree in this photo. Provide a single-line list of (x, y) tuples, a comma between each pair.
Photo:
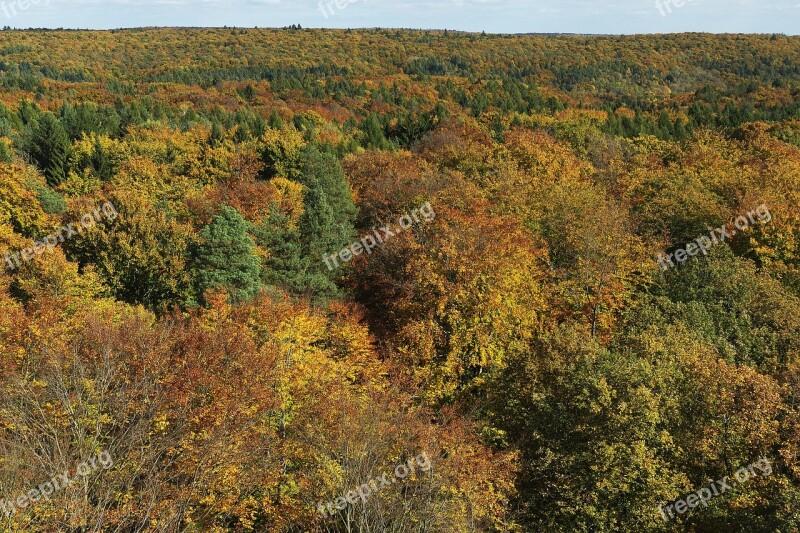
[(28, 112), (287, 266), (248, 93), (6, 154), (665, 126), (373, 133), (78, 120), (51, 202), (326, 226), (275, 121), (680, 129), (101, 162), (242, 134), (328, 222), (48, 146), (225, 257), (217, 134)]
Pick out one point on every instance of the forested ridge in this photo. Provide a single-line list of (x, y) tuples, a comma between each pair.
[(555, 278)]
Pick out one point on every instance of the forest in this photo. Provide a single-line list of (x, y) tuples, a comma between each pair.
[(290, 280)]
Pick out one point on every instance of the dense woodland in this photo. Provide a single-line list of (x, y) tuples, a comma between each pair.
[(526, 339)]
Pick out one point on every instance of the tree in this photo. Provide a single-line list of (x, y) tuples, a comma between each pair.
[(248, 93), (286, 265), (374, 136), (588, 421), (280, 153), (49, 146), (225, 257), (141, 255), (6, 153), (51, 201), (20, 207), (275, 122), (327, 225)]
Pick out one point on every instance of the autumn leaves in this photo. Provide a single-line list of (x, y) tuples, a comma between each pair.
[(380, 236), (703, 244), (401, 471), (717, 488), (59, 482), (508, 334), (48, 244)]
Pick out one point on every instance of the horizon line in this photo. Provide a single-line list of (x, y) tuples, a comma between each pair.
[(373, 28)]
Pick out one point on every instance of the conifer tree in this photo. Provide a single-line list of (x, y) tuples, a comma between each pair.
[(49, 148), (225, 257), (286, 266), (275, 121), (328, 221)]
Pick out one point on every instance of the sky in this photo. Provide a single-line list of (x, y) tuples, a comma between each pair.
[(492, 16)]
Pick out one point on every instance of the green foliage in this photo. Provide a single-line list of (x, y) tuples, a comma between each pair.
[(217, 134), (27, 112), (225, 258), (590, 427), (248, 93), (275, 122), (49, 147), (139, 254), (51, 202), (374, 133), (88, 118), (101, 162), (6, 152), (287, 266), (723, 299), (326, 226)]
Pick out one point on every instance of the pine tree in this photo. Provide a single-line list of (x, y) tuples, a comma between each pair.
[(217, 134), (373, 133), (665, 126), (101, 162), (295, 260), (275, 121), (287, 266), (327, 224), (28, 112), (225, 257), (249, 93), (49, 147), (51, 201)]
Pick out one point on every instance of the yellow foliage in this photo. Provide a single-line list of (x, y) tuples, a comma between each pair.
[(289, 198)]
